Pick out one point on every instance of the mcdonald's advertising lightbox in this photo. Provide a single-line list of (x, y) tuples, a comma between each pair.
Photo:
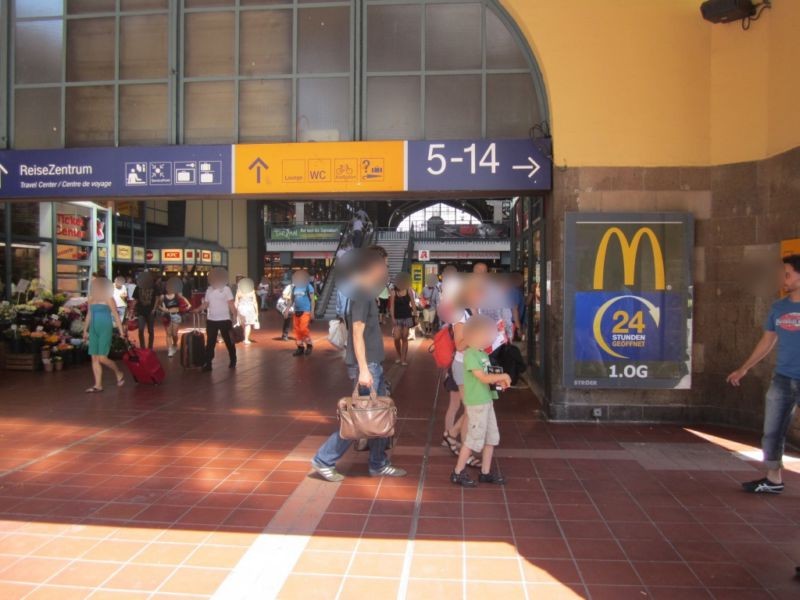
[(628, 300)]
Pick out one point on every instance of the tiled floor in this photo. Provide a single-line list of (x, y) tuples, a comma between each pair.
[(200, 487)]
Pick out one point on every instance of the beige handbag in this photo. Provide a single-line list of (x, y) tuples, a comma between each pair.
[(366, 417)]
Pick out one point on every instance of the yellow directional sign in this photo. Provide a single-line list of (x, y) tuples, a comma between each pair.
[(319, 167)]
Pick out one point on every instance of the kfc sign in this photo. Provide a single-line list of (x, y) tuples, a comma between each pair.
[(171, 255)]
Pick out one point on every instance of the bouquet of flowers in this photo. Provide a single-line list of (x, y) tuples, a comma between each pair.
[(8, 312)]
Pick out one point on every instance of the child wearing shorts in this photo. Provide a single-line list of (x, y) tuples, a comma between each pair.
[(479, 396)]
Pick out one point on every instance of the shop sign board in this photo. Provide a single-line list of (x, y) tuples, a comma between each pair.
[(326, 167), (473, 231), (113, 172), (628, 300), (417, 277), (278, 169), (205, 256), (478, 165), (306, 232), (423, 255), (216, 258), (123, 253), (444, 254), (172, 255), (138, 255), (153, 256), (70, 226), (189, 257)]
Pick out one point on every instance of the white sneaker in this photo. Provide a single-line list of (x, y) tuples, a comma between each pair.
[(172, 351)]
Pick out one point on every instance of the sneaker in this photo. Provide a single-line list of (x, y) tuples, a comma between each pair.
[(762, 486), (299, 351), (172, 351), (495, 478), (388, 471), (309, 349), (462, 479), (284, 338), (327, 473)]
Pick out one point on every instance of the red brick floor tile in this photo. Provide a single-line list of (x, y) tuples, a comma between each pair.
[(50, 592), (606, 572), (506, 591), (362, 587), (702, 551), (246, 517), (497, 548), (139, 577), (635, 531), (649, 550), (383, 543), (426, 589), (666, 574), (66, 547), (377, 565), (187, 580), (739, 594), (597, 549), (104, 594), (388, 524), (536, 528), (678, 593), (723, 575), (354, 506), (331, 542), (494, 569), (587, 530), (118, 550), (85, 573), (550, 571), (555, 591), (437, 567), (323, 563), (15, 591), (160, 553), (344, 523), (536, 548), (440, 526), (33, 569), (617, 592), (439, 546), (215, 556)]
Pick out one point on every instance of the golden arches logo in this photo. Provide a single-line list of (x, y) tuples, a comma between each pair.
[(630, 251)]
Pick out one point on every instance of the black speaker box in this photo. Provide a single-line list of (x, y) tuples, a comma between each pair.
[(725, 11)]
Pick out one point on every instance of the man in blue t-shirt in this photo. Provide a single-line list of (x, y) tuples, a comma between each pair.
[(782, 327)]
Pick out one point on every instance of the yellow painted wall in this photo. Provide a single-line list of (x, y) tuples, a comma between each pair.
[(650, 83)]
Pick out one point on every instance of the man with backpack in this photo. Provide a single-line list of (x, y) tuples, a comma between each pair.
[(303, 302)]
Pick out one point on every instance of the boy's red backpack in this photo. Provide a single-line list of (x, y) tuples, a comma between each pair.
[(443, 347)]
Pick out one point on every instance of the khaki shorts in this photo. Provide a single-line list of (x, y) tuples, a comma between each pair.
[(428, 315), (481, 427)]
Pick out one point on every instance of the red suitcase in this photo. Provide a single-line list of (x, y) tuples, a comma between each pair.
[(144, 365)]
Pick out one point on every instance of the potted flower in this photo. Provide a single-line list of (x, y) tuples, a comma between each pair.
[(45, 352), (47, 364), (58, 362), (25, 314)]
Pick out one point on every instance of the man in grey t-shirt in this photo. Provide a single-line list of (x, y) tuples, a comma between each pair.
[(364, 358)]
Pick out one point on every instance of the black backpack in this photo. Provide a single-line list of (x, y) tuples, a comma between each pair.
[(510, 359)]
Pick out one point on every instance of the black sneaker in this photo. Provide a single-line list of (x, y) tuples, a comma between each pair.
[(299, 351), (762, 486), (462, 479), (495, 478), (309, 349)]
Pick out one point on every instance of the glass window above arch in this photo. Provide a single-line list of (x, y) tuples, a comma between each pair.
[(130, 72)]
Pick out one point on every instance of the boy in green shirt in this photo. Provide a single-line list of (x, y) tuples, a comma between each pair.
[(482, 433)]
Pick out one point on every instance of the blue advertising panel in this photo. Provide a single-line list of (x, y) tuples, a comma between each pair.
[(103, 172), (479, 165), (627, 300)]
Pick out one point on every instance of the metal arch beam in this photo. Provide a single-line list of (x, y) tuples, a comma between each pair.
[(408, 208)]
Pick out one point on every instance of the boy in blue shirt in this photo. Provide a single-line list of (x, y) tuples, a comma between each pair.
[(782, 328)]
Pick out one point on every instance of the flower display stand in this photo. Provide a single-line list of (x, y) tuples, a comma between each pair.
[(23, 362)]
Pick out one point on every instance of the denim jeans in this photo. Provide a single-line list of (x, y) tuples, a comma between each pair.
[(335, 447), (782, 398)]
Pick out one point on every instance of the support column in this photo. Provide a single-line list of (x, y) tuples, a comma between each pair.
[(299, 213)]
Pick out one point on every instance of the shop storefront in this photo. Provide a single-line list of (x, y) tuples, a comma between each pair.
[(54, 246)]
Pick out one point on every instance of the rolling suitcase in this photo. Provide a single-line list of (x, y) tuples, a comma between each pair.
[(192, 347), (143, 365)]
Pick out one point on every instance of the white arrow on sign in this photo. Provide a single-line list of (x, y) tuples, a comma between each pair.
[(2, 172), (533, 167)]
